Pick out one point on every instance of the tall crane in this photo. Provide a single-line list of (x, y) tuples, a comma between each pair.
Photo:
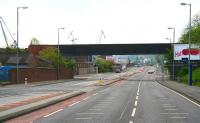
[(3, 24), (102, 34), (72, 37)]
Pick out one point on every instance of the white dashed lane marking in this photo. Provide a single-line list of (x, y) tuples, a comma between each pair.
[(53, 113), (86, 98), (74, 103), (133, 112), (135, 103)]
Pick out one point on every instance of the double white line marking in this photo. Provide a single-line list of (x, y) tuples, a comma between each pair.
[(136, 102)]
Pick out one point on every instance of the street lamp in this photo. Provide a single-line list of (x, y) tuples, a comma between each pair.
[(58, 66), (17, 42), (174, 30), (189, 59)]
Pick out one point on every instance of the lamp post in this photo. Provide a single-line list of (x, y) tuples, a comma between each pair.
[(174, 31), (17, 42), (189, 59), (58, 66)]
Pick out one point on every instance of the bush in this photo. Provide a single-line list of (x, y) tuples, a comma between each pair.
[(183, 71), (195, 77), (103, 65)]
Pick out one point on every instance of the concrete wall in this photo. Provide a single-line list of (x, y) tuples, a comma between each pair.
[(39, 74)]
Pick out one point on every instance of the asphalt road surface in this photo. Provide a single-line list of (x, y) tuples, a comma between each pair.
[(14, 93), (139, 99)]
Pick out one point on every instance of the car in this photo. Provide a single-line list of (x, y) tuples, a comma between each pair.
[(117, 70), (150, 72)]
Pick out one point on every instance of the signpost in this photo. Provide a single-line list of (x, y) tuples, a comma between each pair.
[(185, 53)]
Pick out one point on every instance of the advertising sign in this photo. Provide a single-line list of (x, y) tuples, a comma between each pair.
[(181, 51)]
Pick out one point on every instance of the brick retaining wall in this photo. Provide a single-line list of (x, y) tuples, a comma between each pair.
[(39, 74)]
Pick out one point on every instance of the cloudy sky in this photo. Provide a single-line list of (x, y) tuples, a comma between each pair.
[(123, 21)]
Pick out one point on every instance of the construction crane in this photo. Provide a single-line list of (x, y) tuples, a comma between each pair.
[(102, 34), (72, 37), (3, 24)]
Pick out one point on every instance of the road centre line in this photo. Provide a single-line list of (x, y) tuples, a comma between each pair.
[(133, 113), (130, 121), (182, 96), (136, 97), (53, 113), (74, 103), (135, 103)]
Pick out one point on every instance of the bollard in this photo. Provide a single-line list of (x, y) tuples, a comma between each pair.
[(100, 81), (25, 81)]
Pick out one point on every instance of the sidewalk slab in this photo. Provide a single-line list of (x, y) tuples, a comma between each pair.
[(17, 111), (191, 92)]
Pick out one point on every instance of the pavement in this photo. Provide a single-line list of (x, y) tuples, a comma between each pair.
[(192, 92), (138, 99), (20, 99)]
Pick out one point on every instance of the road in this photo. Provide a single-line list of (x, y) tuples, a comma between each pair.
[(14, 93), (139, 99)]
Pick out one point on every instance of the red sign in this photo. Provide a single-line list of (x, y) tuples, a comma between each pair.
[(191, 52)]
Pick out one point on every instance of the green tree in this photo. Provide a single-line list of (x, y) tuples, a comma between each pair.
[(195, 32), (168, 56), (51, 54), (104, 65)]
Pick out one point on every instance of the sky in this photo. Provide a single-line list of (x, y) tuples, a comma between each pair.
[(122, 21)]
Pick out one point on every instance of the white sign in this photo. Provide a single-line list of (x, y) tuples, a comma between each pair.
[(182, 51)]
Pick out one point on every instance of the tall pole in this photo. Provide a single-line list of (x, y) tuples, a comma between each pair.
[(58, 53), (173, 56), (189, 59), (58, 48), (17, 44), (17, 63), (189, 62), (173, 69)]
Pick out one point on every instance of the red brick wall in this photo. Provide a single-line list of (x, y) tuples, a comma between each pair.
[(39, 74)]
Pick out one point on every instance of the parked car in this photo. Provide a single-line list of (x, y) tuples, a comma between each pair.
[(117, 70), (151, 72)]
